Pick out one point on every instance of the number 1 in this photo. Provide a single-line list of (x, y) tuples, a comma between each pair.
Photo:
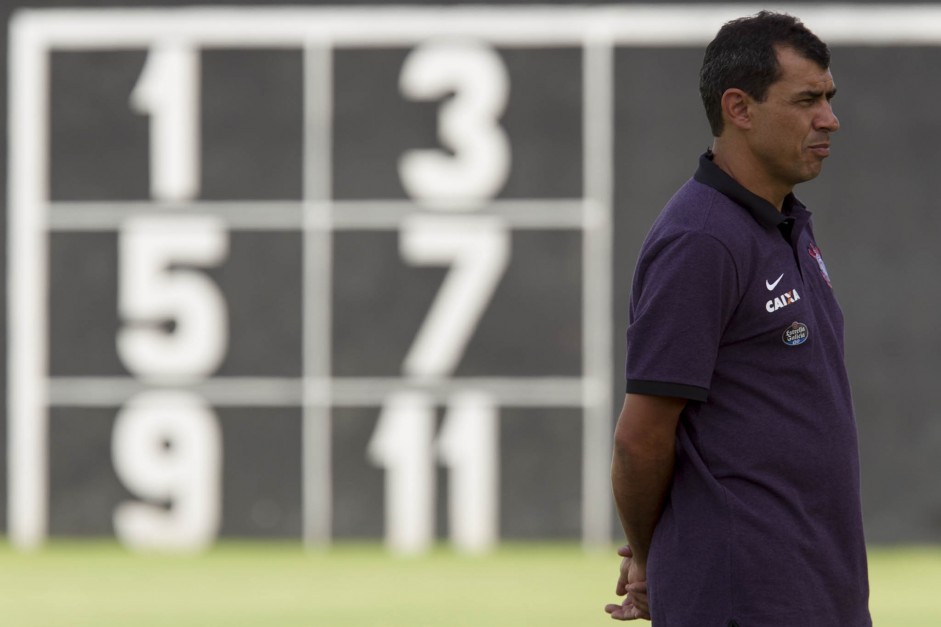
[(401, 444), (168, 91)]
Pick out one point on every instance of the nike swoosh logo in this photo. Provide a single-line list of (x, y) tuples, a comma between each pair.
[(771, 285)]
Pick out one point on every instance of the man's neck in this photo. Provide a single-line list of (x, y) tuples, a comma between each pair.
[(744, 171)]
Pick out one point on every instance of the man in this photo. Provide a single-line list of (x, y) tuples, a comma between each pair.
[(736, 465)]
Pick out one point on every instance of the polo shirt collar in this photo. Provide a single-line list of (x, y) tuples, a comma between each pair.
[(763, 211)]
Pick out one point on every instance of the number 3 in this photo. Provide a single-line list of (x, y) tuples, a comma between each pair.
[(479, 164)]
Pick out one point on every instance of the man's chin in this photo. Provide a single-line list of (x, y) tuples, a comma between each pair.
[(812, 172)]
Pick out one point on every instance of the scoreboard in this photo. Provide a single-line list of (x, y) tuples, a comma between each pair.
[(321, 273), (297, 271)]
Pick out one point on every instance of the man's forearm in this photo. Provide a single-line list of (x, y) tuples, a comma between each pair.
[(641, 483), (642, 466)]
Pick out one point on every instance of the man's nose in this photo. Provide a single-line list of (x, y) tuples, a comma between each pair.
[(827, 121)]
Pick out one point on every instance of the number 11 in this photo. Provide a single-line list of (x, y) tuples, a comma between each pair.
[(403, 443)]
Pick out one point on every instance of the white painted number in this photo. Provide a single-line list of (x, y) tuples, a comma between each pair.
[(167, 449), (154, 293), (478, 249), (166, 445), (476, 164), (467, 445), (403, 444), (168, 91)]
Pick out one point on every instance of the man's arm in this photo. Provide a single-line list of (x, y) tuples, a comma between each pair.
[(641, 474), (642, 467)]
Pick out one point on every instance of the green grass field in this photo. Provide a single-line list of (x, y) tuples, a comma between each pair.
[(279, 585)]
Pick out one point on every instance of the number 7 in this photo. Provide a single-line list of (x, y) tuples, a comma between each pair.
[(478, 249)]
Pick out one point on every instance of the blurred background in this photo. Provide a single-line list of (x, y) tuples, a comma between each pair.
[(355, 278)]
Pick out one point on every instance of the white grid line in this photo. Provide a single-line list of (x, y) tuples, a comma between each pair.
[(316, 483), (674, 25), (597, 283), (344, 215), (549, 391), (27, 272)]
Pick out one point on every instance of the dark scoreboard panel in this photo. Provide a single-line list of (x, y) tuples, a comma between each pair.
[(304, 285)]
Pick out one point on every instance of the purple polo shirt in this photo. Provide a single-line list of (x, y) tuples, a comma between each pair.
[(732, 308)]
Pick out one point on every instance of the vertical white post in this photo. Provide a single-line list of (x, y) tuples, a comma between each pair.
[(27, 272), (598, 70), (317, 286)]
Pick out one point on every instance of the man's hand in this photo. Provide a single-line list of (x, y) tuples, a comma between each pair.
[(632, 583)]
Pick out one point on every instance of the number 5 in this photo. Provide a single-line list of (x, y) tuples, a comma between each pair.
[(153, 292)]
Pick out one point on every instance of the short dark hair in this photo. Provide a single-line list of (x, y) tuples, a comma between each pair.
[(743, 56)]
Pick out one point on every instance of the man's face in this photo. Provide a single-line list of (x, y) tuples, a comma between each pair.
[(791, 129)]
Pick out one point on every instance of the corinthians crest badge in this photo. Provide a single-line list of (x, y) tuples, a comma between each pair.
[(814, 252)]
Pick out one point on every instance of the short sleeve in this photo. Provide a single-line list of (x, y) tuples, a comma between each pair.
[(684, 293)]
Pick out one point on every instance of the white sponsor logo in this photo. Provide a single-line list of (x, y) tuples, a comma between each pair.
[(785, 299), (771, 285)]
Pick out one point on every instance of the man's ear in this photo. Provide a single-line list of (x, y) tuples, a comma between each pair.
[(736, 108)]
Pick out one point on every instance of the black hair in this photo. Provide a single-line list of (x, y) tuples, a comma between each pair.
[(743, 56)]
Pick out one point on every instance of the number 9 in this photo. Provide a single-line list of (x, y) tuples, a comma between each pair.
[(166, 446)]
